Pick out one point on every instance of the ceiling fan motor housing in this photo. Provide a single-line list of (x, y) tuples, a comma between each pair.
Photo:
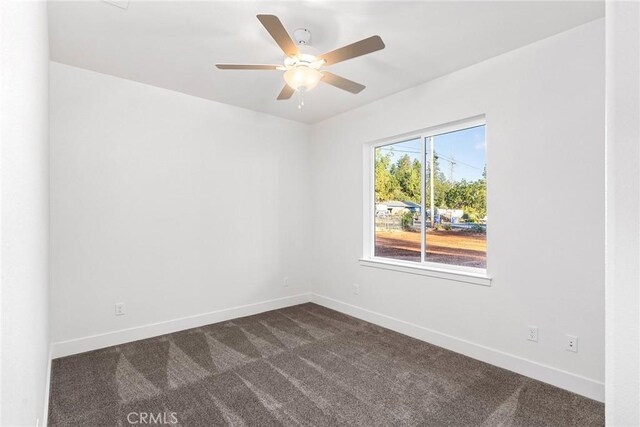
[(302, 36), (302, 64)]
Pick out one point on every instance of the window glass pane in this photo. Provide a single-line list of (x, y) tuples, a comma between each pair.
[(398, 200), (458, 233)]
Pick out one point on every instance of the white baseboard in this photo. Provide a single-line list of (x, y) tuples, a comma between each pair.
[(94, 342), (45, 413), (557, 377)]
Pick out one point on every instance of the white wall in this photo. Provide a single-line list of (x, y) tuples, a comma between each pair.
[(24, 231), (623, 214), (544, 106), (175, 205), (178, 206)]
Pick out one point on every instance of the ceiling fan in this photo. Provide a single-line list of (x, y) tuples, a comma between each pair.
[(303, 71)]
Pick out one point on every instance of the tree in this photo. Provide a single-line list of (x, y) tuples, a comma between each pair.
[(386, 185), (440, 185), (402, 181), (471, 197), (407, 174)]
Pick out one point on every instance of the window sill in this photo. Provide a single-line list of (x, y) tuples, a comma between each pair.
[(458, 276)]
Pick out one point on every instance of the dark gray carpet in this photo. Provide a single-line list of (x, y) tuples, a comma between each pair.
[(303, 365)]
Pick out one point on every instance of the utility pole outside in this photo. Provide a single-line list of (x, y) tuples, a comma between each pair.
[(452, 170), (431, 176)]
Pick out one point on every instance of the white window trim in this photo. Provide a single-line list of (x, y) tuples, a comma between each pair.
[(425, 270), (478, 276)]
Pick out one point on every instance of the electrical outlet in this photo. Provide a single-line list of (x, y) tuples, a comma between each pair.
[(356, 289), (285, 282), (119, 308), (571, 343), (532, 333)]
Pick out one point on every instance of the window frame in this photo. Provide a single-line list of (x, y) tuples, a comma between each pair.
[(423, 267)]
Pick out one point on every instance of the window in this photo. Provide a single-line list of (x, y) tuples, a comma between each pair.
[(430, 199)]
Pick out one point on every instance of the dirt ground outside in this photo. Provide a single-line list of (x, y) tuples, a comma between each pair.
[(458, 247)]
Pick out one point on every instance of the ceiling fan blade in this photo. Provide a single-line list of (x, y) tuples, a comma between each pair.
[(285, 93), (341, 82), (353, 50), (279, 34), (248, 66)]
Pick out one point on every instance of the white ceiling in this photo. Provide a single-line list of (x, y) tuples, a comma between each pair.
[(174, 45)]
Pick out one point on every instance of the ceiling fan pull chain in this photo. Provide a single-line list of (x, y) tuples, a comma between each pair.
[(300, 98)]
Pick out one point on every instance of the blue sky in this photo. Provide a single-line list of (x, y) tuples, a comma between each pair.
[(466, 148)]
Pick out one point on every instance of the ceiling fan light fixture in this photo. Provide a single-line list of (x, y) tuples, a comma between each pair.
[(302, 64), (302, 77)]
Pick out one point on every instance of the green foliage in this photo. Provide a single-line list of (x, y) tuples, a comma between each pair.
[(386, 183), (471, 197), (440, 185), (407, 173), (400, 180), (470, 215), (407, 221), (397, 181)]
